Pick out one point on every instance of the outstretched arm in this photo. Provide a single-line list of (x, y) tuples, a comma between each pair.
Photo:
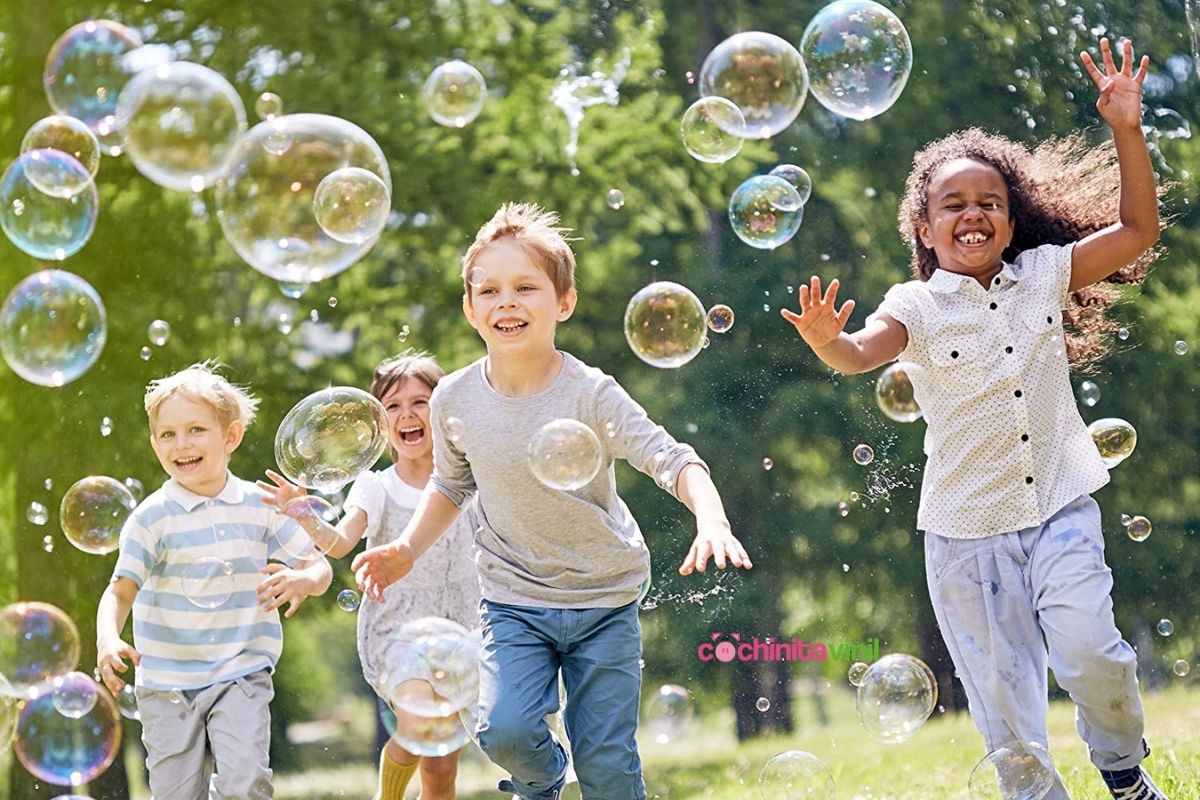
[(714, 536), (379, 567), (822, 326), (1099, 255), (330, 540)]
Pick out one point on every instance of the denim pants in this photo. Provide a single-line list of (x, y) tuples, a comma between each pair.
[(598, 650), (1008, 604)]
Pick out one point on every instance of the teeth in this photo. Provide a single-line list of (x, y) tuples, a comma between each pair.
[(509, 326), (974, 237)]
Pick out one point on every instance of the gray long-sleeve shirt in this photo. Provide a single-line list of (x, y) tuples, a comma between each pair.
[(537, 546)]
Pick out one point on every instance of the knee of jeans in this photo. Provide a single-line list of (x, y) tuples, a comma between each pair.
[(608, 780), (505, 740)]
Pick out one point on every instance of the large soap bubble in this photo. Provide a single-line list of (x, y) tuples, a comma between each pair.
[(331, 436), (765, 211), (429, 736), (796, 775), (896, 696), (565, 454), (667, 713), (52, 328), (763, 75), (1018, 771), (705, 129), (180, 123), (352, 205), (665, 324), (67, 135), (1115, 439), (894, 394), (93, 511), (265, 199), (858, 56), (68, 750), (85, 71), (48, 204), (208, 582), (454, 93), (38, 642)]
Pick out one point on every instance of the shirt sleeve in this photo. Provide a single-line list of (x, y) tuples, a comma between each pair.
[(899, 304), (367, 493), (139, 550), (1060, 257), (452, 474)]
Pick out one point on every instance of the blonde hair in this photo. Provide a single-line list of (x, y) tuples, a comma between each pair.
[(202, 382), (397, 369), (537, 231)]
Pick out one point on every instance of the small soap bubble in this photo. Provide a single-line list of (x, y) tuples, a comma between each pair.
[(795, 774), (73, 694), (843, 508), (1181, 347), (127, 702), (894, 394), (476, 276), (454, 94), (707, 130), (106, 426), (720, 318), (268, 106), (863, 454), (94, 510), (845, 567), (50, 646), (144, 354), (48, 543), (159, 332), (767, 464), (616, 199), (1122, 333), (1139, 528), (1021, 770), (765, 211), (313, 315), (284, 322), (763, 704), (348, 600), (565, 454), (797, 177), (52, 328), (333, 301), (1115, 439), (896, 696), (854, 497), (175, 696), (208, 582), (135, 488), (48, 484), (37, 513), (67, 135), (1125, 520), (1181, 668), (858, 671), (293, 290), (667, 712), (352, 205), (1089, 393), (455, 429), (1165, 627), (665, 324)]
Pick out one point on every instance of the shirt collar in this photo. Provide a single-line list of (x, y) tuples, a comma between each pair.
[(949, 282), (231, 494)]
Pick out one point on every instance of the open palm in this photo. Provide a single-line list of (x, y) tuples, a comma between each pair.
[(1120, 101)]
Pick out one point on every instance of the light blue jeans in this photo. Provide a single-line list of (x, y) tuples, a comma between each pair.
[(598, 650), (1007, 604)]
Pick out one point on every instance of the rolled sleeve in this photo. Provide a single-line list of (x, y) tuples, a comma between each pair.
[(137, 553)]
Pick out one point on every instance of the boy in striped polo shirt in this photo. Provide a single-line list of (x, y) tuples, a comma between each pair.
[(194, 569)]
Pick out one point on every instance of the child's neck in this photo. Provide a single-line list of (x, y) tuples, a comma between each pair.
[(208, 488), (415, 471), (525, 375)]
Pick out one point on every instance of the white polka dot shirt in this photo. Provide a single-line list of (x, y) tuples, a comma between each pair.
[(1006, 445)]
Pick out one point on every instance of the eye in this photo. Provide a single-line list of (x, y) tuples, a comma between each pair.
[(488, 290), (166, 434), (952, 206), (196, 429), (421, 403), (527, 288), (991, 206)]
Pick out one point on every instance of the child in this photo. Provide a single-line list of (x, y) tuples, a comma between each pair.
[(380, 504), (205, 624), (561, 571), (1013, 546)]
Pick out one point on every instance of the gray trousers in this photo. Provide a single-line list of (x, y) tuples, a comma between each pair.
[(1008, 603), (231, 721)]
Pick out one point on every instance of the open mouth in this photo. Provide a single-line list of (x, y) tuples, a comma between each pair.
[(188, 463), (510, 327), (413, 435), (971, 238)]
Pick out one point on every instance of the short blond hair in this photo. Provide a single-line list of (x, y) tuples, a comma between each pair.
[(537, 231), (202, 383)]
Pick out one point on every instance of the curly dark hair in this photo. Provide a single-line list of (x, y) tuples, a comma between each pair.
[(1058, 192)]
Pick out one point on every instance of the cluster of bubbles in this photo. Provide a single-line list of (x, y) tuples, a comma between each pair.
[(895, 696), (330, 437), (93, 512), (894, 394), (565, 454), (795, 774), (1115, 439), (665, 324), (667, 713)]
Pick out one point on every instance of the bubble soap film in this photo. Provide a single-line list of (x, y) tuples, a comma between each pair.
[(565, 454), (38, 642), (93, 511), (763, 75), (68, 750), (48, 204), (665, 324), (52, 328), (85, 70), (330, 437)]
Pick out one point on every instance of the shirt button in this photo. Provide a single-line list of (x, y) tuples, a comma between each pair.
[(997, 280), (954, 354), (1017, 393), (1024, 437), (1028, 479), (1008, 349), (1049, 319), (992, 306)]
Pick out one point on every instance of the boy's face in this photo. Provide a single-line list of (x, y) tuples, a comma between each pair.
[(515, 309), (968, 221), (407, 406), (192, 445)]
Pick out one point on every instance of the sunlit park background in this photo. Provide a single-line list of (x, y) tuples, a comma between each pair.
[(838, 560)]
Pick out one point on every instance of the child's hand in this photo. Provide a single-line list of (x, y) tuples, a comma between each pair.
[(716, 540), (281, 492), (285, 585), (819, 322), (377, 568), (110, 659), (1120, 102)]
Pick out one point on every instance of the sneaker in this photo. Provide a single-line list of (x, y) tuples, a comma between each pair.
[(1131, 784)]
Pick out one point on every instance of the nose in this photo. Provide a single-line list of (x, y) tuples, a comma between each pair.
[(973, 211)]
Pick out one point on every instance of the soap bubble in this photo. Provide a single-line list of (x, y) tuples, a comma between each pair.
[(795, 774), (48, 204), (66, 750), (768, 464), (763, 75), (896, 696), (857, 672), (1018, 771), (863, 454), (74, 694), (565, 454), (1114, 438), (180, 123), (1181, 668), (894, 394), (268, 105), (765, 211), (208, 582), (667, 712), (348, 600), (159, 332), (293, 291), (85, 71), (1139, 528), (762, 704), (1089, 393), (127, 702), (66, 135), (265, 199), (330, 437), (93, 511), (615, 199), (720, 318), (665, 324), (1181, 347), (352, 205), (1123, 334), (1165, 627), (52, 328), (429, 735), (707, 129), (797, 177), (454, 93), (175, 696), (432, 667), (38, 641), (37, 513), (858, 56)]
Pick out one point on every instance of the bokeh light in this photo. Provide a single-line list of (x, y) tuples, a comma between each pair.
[(52, 328), (763, 75), (329, 437), (93, 512), (565, 454), (665, 324), (48, 204), (765, 211)]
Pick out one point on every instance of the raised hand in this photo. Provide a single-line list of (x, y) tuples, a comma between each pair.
[(281, 491), (819, 321), (1120, 101), (377, 568)]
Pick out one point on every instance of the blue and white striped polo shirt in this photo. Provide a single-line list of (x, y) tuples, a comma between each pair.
[(197, 561)]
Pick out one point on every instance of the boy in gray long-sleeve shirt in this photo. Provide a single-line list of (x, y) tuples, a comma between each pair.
[(560, 571)]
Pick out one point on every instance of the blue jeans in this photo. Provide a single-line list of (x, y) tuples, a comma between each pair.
[(598, 650)]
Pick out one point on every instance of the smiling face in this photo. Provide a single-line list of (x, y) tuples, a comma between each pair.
[(193, 445), (968, 223), (407, 406)]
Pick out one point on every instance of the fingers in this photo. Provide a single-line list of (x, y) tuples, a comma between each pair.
[(1106, 56), (273, 567), (1092, 70), (844, 315), (689, 563), (279, 480), (718, 553), (295, 604), (1127, 57), (815, 288), (791, 317), (1143, 68), (831, 293), (359, 560)]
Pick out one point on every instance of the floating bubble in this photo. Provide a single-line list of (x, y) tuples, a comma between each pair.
[(208, 582), (66, 135), (1181, 668), (1165, 627), (293, 291), (1181, 347), (330, 437), (284, 322), (797, 177), (106, 426), (667, 713), (768, 464), (1019, 771), (348, 600), (476, 276), (858, 56), (765, 211), (1122, 333), (352, 205), (763, 75), (843, 509), (432, 667), (720, 318), (74, 694), (159, 332), (429, 735), (127, 703), (1125, 520), (1139, 528), (37, 513), (897, 694), (616, 199), (175, 696), (38, 642), (707, 129), (265, 199), (145, 353), (93, 512), (68, 750), (454, 93), (858, 671), (894, 394), (455, 429), (85, 71), (52, 328), (1089, 393), (863, 454), (1115, 439), (795, 774), (762, 704), (48, 204), (665, 324), (268, 105), (565, 454)]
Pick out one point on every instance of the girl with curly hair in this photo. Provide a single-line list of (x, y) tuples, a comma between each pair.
[(1008, 245)]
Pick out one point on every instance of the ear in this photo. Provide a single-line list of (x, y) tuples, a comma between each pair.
[(923, 234), (566, 304), (468, 309), (1012, 230), (233, 435)]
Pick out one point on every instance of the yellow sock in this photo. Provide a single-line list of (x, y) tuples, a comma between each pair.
[(393, 777)]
